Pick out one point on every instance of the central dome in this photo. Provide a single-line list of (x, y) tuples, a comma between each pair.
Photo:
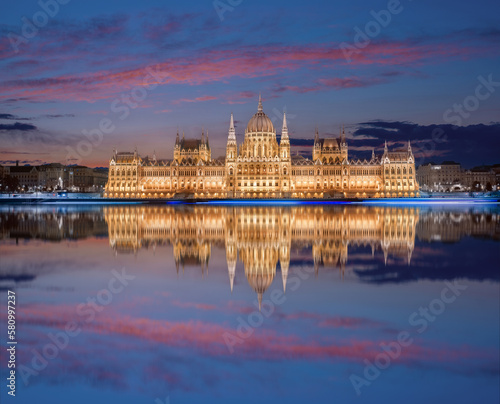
[(260, 122)]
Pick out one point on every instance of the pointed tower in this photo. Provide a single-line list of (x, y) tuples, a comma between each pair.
[(231, 137), (204, 155), (177, 148), (317, 145), (285, 141), (231, 154), (284, 130), (343, 145)]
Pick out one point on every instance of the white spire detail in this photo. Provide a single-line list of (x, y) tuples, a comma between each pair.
[(284, 131), (232, 133)]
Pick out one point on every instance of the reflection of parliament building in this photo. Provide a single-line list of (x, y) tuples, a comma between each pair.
[(262, 168), (262, 237)]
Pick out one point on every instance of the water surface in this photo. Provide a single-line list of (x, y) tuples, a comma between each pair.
[(328, 303)]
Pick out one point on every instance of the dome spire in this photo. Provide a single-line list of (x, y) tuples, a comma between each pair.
[(260, 109)]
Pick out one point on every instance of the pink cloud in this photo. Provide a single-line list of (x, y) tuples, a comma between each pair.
[(197, 99), (209, 338), (221, 65)]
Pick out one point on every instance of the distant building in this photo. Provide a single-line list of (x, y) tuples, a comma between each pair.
[(87, 179), (484, 177), (440, 177), (28, 176), (52, 175), (449, 176), (58, 176)]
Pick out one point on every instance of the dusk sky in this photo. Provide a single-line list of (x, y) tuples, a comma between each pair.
[(188, 65)]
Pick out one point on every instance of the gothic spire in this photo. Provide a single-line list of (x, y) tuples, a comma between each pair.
[(409, 147), (177, 137), (385, 147), (284, 131), (260, 109), (231, 137)]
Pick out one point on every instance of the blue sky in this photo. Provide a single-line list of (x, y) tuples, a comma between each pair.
[(211, 59)]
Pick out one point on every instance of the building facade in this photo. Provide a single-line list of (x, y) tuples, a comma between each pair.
[(53, 176), (440, 177), (449, 176), (262, 168)]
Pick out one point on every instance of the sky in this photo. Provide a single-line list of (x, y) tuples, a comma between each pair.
[(79, 79)]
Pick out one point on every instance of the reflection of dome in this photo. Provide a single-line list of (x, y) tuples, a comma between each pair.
[(260, 282), (260, 122)]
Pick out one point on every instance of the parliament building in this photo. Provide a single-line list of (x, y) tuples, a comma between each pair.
[(262, 168)]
